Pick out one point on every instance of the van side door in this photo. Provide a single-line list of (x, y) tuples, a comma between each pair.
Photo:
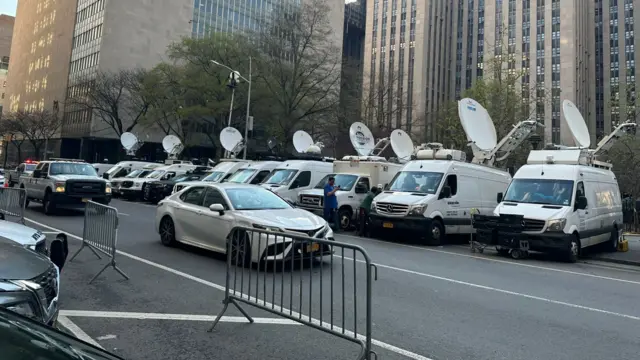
[(587, 219), (453, 207)]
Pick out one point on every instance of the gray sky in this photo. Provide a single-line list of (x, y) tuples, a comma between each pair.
[(8, 7)]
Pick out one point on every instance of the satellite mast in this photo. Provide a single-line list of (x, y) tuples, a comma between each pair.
[(130, 143), (172, 146), (231, 141)]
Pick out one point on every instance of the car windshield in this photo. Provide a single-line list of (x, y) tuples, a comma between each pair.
[(180, 178), (72, 169), (241, 176), (29, 167), (281, 177), (540, 191), (113, 170), (156, 174), (215, 176), (255, 198), (345, 182), (425, 182)]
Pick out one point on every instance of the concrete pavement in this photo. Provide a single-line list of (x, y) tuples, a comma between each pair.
[(429, 303)]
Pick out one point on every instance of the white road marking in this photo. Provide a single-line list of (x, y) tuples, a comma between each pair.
[(377, 343), (178, 317), (75, 330), (508, 292), (498, 260), (123, 214), (106, 337)]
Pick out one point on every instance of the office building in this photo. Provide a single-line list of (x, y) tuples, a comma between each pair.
[(353, 50), (6, 34)]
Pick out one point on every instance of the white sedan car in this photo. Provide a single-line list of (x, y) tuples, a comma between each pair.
[(204, 213)]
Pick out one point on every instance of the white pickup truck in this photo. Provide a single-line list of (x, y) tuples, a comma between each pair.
[(13, 176)]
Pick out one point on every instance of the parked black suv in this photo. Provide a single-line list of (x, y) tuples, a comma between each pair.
[(157, 190)]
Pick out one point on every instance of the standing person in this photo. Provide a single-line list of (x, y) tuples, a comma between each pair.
[(331, 203), (365, 208)]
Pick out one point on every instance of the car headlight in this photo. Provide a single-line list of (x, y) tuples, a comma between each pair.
[(267, 228), (22, 308), (107, 189), (556, 225), (59, 187), (137, 185), (20, 301), (373, 207), (417, 209)]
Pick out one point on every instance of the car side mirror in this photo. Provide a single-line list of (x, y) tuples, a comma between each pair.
[(36, 173), (445, 192), (59, 250), (499, 197), (581, 202), (217, 208)]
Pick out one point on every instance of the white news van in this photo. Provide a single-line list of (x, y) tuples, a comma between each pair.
[(133, 188), (435, 193), (355, 175), (123, 168), (254, 173), (562, 201), (221, 172), (133, 174), (293, 176)]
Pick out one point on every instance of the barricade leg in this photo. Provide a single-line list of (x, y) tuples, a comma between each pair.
[(82, 247), (224, 309)]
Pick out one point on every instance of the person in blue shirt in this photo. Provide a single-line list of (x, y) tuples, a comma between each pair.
[(331, 203)]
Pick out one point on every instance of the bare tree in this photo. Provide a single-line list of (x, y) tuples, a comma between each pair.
[(116, 98), (37, 127), (299, 68)]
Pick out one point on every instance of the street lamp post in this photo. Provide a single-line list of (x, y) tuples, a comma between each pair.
[(246, 124)]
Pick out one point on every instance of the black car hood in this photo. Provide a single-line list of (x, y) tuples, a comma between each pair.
[(19, 263)]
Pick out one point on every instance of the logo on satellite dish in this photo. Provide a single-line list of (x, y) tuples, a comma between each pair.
[(361, 138), (471, 106)]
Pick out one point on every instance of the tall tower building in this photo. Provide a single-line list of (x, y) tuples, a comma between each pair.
[(6, 34)]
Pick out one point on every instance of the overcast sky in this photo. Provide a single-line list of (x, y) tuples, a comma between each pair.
[(8, 7)]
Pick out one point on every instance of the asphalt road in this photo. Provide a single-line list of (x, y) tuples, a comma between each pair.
[(428, 303)]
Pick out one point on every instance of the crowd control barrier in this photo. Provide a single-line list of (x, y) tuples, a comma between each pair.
[(100, 234), (12, 203), (316, 282)]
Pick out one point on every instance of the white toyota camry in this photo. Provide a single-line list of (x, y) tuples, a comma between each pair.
[(204, 214)]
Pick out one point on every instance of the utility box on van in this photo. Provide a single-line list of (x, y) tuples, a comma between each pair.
[(355, 175)]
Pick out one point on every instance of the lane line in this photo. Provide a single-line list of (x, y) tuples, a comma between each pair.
[(178, 317), (508, 292), (497, 260), (75, 330), (377, 343), (123, 214)]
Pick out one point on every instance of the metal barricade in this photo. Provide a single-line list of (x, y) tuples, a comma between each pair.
[(12, 203), (100, 234), (319, 283)]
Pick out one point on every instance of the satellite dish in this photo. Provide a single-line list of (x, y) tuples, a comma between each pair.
[(172, 145), (576, 124), (128, 140), (361, 138), (401, 144), (230, 138), (477, 124), (302, 141)]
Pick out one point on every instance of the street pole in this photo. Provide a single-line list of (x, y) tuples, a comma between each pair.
[(246, 123), (233, 92)]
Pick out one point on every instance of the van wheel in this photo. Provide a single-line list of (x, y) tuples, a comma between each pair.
[(436, 233), (344, 216), (573, 250), (613, 241)]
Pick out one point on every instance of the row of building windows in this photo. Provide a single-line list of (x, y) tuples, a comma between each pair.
[(90, 10), (86, 62), (87, 36), (36, 85), (42, 62), (44, 22)]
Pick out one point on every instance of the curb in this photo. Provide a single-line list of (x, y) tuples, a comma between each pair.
[(615, 261)]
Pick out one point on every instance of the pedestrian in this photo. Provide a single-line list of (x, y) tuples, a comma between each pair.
[(331, 203), (365, 208)]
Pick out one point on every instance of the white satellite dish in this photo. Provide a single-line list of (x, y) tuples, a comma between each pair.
[(128, 140), (302, 141), (231, 140), (361, 138), (172, 145), (576, 124), (401, 144), (477, 124)]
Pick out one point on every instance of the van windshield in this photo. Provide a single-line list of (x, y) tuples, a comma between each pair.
[(425, 182), (215, 176), (345, 182), (540, 191), (281, 177), (137, 173), (242, 176)]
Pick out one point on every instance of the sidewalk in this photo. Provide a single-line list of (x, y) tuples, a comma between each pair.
[(631, 257)]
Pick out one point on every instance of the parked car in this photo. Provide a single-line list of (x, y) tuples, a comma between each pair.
[(30, 282), (157, 190), (26, 168), (205, 213), (24, 338), (23, 235)]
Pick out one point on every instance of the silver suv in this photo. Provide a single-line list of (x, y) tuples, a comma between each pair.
[(65, 183)]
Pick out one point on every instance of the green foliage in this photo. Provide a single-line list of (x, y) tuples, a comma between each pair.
[(625, 158)]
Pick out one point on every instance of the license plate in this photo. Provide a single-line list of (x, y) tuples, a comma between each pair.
[(387, 225), (85, 199), (313, 247)]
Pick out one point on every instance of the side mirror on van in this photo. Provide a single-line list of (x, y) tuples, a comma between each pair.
[(499, 197), (36, 173), (581, 202), (445, 192)]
